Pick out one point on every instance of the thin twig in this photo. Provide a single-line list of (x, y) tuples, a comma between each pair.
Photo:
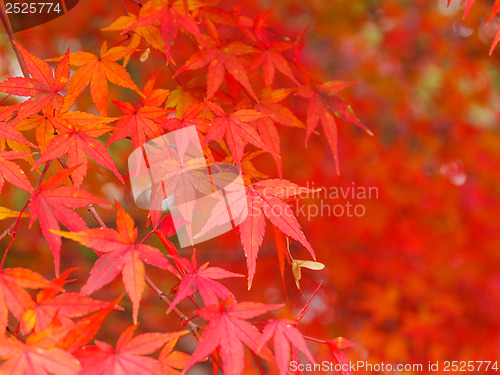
[(173, 74), (258, 362), (13, 233), (124, 7), (137, 2), (42, 175)]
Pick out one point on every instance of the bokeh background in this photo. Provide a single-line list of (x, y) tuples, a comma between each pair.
[(417, 277)]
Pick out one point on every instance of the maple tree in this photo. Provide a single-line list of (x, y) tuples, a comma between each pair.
[(263, 100)]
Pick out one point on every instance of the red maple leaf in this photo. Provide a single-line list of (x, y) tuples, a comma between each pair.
[(171, 360), (171, 15), (43, 87), (7, 131), (52, 204), (323, 107), (13, 296), (265, 199), (83, 331), (11, 172), (141, 122), (228, 330), (190, 117), (221, 59), (76, 139), (202, 280), (336, 346), (236, 129), (122, 255), (153, 97), (129, 354), (269, 103), (50, 303), (285, 334), (38, 355), (271, 58)]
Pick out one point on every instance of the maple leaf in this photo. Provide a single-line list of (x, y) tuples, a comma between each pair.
[(336, 346), (270, 58), (6, 212), (52, 204), (190, 117), (171, 360), (150, 34), (221, 59), (44, 132), (49, 304), (154, 97), (83, 331), (202, 280), (228, 330), (142, 123), (323, 106), (7, 131), (43, 87), (97, 71), (130, 354), (36, 356), (265, 199), (13, 296), (259, 25), (171, 15), (7, 111), (285, 334), (11, 172), (307, 306), (236, 129), (76, 138), (282, 251), (269, 103), (181, 98), (122, 255)]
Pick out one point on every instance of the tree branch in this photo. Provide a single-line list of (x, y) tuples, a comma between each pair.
[(10, 33)]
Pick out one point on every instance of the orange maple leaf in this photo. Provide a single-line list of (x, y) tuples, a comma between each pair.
[(97, 71)]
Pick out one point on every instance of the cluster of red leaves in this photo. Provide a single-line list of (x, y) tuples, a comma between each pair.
[(416, 277), (236, 102)]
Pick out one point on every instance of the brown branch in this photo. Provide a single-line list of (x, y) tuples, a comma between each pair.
[(137, 2), (124, 7), (10, 33)]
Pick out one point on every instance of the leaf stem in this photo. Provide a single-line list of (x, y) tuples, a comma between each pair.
[(96, 215), (13, 233), (13, 228), (124, 7), (137, 2), (258, 362), (42, 175)]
